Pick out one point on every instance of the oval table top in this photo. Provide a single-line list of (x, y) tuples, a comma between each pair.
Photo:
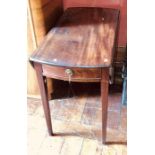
[(83, 37)]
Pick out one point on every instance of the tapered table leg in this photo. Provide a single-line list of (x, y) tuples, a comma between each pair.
[(44, 97), (104, 101)]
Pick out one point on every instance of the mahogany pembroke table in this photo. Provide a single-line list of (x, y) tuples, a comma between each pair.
[(79, 48)]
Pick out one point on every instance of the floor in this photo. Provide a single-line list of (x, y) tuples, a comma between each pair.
[(77, 126)]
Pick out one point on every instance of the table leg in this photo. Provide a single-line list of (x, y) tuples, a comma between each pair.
[(44, 97), (104, 101)]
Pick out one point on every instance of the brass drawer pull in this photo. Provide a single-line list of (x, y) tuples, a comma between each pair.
[(69, 72)]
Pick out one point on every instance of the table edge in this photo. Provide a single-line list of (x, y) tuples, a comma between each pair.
[(32, 60)]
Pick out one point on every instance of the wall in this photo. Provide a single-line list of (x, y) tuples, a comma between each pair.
[(120, 4)]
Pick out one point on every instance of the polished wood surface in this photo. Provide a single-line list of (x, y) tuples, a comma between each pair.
[(79, 75), (83, 37), (117, 4)]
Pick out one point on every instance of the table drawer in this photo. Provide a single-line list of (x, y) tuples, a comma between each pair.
[(77, 74)]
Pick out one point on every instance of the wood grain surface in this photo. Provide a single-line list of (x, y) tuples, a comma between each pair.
[(83, 37), (79, 75), (117, 4)]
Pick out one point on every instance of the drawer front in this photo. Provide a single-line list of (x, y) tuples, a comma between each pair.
[(76, 74)]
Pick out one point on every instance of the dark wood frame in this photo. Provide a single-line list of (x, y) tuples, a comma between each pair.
[(98, 71), (43, 91), (104, 82)]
